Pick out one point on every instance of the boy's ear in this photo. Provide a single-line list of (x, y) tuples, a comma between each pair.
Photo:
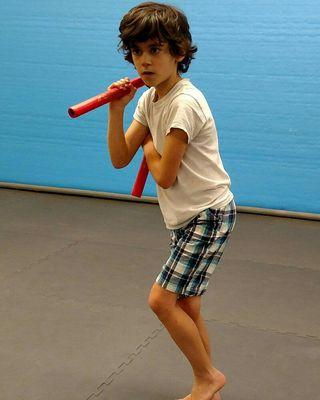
[(180, 58)]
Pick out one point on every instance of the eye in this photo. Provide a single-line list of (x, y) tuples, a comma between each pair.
[(136, 52), (154, 50)]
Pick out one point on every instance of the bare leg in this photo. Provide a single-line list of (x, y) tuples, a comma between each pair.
[(191, 305), (184, 331), (206, 342), (204, 335)]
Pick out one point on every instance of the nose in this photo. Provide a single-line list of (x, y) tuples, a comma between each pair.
[(146, 60)]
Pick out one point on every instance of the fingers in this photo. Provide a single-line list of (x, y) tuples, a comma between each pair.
[(128, 90), (124, 83)]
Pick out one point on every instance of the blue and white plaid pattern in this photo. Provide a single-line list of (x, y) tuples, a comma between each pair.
[(196, 249)]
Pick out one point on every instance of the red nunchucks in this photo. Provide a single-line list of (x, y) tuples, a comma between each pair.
[(101, 99), (104, 98)]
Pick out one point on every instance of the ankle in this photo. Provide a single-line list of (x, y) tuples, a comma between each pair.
[(206, 375)]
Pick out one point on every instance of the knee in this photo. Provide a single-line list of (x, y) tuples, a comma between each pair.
[(159, 303)]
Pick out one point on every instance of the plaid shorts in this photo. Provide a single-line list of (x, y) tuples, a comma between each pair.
[(196, 249)]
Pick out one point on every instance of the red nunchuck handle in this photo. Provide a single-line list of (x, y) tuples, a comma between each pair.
[(140, 179), (101, 99)]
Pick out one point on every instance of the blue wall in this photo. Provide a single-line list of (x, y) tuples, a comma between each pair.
[(258, 65)]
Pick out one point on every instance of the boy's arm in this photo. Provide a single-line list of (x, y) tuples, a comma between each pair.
[(122, 147), (164, 169)]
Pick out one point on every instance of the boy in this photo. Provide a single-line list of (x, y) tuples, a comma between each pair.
[(174, 125)]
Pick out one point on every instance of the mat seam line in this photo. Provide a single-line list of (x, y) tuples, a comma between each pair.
[(45, 258), (235, 260), (119, 370), (264, 329)]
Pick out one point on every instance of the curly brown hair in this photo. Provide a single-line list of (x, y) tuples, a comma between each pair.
[(163, 22)]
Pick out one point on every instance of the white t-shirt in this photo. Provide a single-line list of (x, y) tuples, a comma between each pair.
[(202, 181)]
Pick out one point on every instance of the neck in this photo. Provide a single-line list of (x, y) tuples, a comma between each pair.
[(166, 86)]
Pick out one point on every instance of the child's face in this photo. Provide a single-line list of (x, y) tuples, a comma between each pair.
[(154, 62)]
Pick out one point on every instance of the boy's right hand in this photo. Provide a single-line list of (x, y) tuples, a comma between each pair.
[(123, 84)]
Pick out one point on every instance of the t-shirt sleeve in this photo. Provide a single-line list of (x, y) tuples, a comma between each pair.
[(140, 111), (185, 113)]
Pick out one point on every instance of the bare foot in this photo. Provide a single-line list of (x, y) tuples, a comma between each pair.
[(215, 397), (206, 389)]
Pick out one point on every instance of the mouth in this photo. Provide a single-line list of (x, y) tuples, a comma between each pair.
[(147, 73)]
